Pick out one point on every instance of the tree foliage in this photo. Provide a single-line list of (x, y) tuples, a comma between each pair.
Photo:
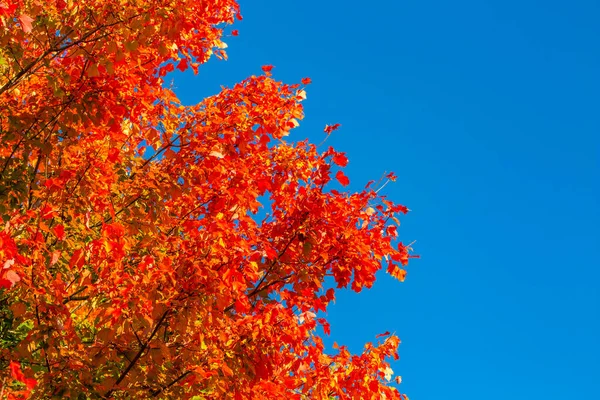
[(150, 249)]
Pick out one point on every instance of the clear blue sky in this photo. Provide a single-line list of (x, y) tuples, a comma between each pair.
[(489, 111)]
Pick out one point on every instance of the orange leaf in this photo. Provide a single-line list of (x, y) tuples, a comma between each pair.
[(226, 370), (55, 257), (210, 252)]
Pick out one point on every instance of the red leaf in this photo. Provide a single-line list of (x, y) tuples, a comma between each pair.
[(400, 208), (391, 231), (15, 371), (59, 231), (77, 259), (330, 128), (241, 306), (113, 155), (267, 68), (343, 179), (7, 9), (382, 334), (26, 21), (340, 159), (166, 69), (262, 371), (271, 253), (183, 64), (30, 383), (306, 81), (326, 326), (234, 32), (47, 212), (330, 294)]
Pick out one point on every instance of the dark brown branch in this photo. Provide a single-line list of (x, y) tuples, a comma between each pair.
[(139, 353), (74, 297), (259, 289), (173, 382)]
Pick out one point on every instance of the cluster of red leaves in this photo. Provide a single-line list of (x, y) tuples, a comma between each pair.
[(159, 250), (9, 254), (18, 391)]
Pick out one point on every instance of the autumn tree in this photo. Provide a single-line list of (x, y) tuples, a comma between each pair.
[(134, 260)]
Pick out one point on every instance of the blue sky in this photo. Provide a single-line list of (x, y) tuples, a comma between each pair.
[(489, 113)]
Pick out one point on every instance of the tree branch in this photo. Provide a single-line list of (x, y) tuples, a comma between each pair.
[(156, 392), (139, 353)]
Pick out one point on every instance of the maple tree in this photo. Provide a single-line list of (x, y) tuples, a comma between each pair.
[(136, 258)]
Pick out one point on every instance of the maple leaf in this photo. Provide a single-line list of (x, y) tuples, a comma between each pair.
[(15, 371), (396, 272), (183, 64), (47, 212), (235, 32), (26, 21), (59, 231), (391, 230), (8, 7), (55, 257), (340, 159), (113, 155), (330, 128), (12, 277), (306, 81), (343, 179)]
